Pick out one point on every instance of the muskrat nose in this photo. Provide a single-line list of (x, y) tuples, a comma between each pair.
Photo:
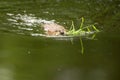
[(62, 32)]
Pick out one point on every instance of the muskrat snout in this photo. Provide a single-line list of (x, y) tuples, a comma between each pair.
[(62, 32)]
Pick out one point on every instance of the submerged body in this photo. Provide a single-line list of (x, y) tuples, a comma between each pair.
[(53, 29)]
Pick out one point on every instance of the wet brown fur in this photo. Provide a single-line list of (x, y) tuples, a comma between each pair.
[(53, 29)]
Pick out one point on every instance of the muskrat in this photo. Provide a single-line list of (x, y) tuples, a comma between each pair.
[(53, 29)]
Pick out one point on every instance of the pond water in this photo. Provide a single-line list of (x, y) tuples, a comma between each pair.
[(24, 56)]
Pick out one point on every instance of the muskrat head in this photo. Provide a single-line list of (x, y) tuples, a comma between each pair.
[(54, 29)]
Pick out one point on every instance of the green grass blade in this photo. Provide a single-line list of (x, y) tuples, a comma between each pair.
[(82, 47), (95, 28), (93, 36), (81, 25), (73, 27), (88, 29)]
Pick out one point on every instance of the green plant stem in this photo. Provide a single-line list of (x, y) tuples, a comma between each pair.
[(95, 28), (82, 47), (81, 25)]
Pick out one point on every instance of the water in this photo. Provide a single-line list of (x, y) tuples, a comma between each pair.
[(27, 57)]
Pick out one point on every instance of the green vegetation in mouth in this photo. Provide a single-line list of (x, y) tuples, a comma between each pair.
[(82, 30)]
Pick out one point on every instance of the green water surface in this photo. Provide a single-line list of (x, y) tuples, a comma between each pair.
[(26, 57)]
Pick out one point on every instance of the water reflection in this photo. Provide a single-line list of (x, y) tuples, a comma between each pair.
[(6, 73), (82, 74), (97, 74), (36, 58), (70, 74)]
